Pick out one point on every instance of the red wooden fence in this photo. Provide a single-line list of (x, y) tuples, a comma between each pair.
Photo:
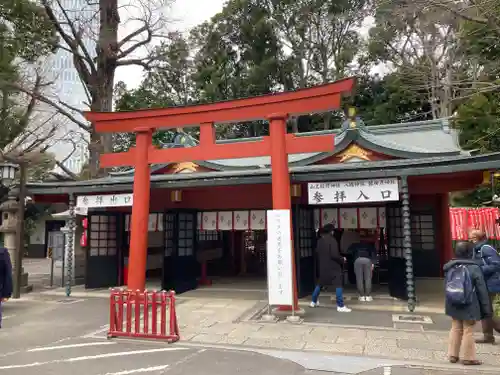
[(148, 315)]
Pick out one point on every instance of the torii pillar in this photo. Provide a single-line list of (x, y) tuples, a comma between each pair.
[(278, 145)]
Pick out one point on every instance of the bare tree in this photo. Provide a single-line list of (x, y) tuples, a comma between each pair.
[(424, 47), (100, 21)]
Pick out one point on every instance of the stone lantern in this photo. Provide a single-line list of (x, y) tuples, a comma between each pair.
[(11, 226), (9, 210)]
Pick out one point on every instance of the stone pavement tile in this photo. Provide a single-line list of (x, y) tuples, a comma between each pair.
[(381, 342), (490, 359), (325, 335), (395, 334), (435, 337), (217, 339), (402, 354), (282, 330), (425, 345), (244, 330), (334, 348), (275, 343), (219, 328)]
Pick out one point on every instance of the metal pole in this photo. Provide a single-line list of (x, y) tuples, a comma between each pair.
[(18, 264), (69, 243)]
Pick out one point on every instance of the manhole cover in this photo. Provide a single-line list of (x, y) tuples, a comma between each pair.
[(416, 319)]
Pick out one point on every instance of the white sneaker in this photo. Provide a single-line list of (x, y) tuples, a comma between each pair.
[(343, 309), (369, 299), (362, 299), (312, 304)]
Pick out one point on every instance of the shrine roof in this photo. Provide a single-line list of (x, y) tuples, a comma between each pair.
[(400, 140), (322, 172)]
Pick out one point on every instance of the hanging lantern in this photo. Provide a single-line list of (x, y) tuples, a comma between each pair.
[(176, 196), (296, 191), (486, 178), (83, 239)]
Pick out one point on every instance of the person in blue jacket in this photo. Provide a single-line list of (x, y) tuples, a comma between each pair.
[(488, 260), (5, 278)]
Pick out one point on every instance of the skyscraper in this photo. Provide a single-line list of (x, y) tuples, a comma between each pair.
[(72, 139)]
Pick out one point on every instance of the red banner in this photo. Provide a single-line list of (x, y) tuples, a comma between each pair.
[(463, 220)]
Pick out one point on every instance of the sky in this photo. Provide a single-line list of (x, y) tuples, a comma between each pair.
[(185, 14)]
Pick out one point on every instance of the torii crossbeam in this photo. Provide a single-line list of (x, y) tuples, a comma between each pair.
[(275, 108)]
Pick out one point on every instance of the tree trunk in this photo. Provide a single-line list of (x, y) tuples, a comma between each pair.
[(102, 85)]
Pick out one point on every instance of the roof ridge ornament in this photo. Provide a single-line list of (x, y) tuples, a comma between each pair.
[(352, 121)]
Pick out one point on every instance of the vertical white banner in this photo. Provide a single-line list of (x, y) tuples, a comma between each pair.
[(279, 258)]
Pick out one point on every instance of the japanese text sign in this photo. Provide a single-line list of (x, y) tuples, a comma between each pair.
[(279, 258), (355, 191), (105, 200)]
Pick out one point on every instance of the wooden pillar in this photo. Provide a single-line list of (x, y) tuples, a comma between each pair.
[(281, 183), (447, 250), (408, 251), (140, 212)]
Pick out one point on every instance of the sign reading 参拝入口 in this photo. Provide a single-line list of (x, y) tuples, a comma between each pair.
[(355, 191), (104, 200), (279, 258)]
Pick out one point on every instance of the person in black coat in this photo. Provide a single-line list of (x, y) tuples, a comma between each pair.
[(5, 278), (465, 317), (330, 266)]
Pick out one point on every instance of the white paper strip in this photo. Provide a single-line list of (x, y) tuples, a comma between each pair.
[(152, 220), (258, 220), (279, 258), (381, 217), (368, 217), (241, 220), (199, 218), (348, 218), (209, 221), (160, 222), (329, 216), (226, 220)]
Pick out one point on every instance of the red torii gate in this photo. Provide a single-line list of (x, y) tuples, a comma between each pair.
[(278, 145)]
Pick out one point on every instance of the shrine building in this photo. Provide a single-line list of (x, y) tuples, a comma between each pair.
[(215, 210), (207, 219)]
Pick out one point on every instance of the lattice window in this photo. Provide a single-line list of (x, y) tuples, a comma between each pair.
[(395, 231), (103, 235), (306, 233), (169, 234), (422, 231), (186, 234), (208, 235)]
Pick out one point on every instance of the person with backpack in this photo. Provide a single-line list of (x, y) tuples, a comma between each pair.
[(488, 260), (330, 263), (467, 302), (5, 278)]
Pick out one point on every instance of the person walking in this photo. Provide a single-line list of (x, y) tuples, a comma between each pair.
[(488, 260), (330, 263), (364, 255), (5, 278), (467, 302)]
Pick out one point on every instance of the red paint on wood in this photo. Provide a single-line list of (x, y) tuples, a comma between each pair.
[(314, 99)]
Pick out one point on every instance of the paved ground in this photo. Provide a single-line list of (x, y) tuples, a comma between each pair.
[(39, 271), (42, 335)]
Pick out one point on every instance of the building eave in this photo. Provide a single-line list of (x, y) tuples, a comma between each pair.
[(325, 172)]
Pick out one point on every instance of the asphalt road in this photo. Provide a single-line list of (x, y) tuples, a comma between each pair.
[(44, 335)]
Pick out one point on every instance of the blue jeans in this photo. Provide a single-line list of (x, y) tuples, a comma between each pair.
[(339, 292)]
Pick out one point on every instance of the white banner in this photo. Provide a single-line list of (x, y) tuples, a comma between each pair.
[(355, 191), (279, 258), (104, 200)]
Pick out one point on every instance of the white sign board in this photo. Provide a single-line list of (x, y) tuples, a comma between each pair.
[(104, 200), (355, 191), (279, 258)]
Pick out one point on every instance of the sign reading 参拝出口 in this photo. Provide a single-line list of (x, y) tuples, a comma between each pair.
[(355, 191), (279, 258), (104, 200)]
